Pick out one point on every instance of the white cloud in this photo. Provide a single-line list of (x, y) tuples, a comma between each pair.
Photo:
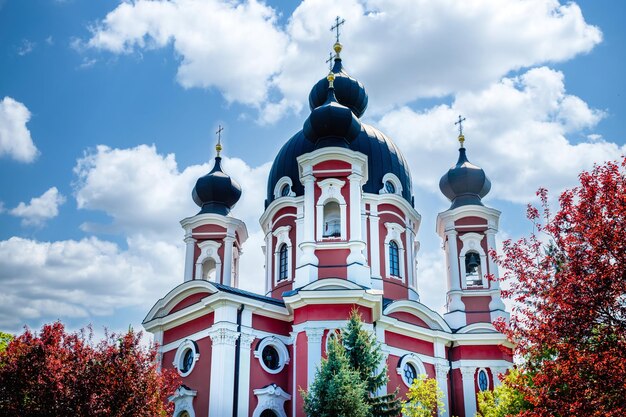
[(15, 139), (26, 47), (516, 130), (232, 46), (39, 209), (44, 281), (429, 48)]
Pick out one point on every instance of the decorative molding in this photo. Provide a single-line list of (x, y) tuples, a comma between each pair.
[(245, 340), (221, 336), (468, 372), (272, 398), (180, 356), (279, 187), (314, 335), (279, 346), (183, 401), (389, 177)]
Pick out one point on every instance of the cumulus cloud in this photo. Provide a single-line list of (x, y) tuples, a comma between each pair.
[(44, 281), (516, 129), (40, 208), (232, 46), (429, 48), (26, 47), (15, 139)]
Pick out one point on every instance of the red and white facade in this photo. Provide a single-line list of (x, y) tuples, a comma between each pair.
[(345, 249)]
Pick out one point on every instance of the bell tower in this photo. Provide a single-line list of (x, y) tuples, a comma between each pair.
[(468, 229), (213, 237)]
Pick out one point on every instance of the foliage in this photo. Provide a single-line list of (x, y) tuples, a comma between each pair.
[(55, 373), (365, 356), (5, 338), (337, 390), (505, 400), (424, 398), (568, 282)]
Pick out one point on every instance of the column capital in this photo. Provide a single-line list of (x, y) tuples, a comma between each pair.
[(467, 372), (245, 340), (314, 335), (441, 370), (189, 239), (223, 336)]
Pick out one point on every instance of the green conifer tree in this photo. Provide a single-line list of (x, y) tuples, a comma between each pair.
[(365, 356), (336, 390)]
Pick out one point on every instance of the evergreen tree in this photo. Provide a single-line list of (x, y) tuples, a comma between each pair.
[(364, 356), (336, 390)]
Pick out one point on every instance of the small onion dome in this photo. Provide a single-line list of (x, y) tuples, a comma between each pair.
[(216, 192), (464, 184), (349, 91), (331, 124)]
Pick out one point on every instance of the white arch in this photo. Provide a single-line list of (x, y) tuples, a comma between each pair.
[(209, 250), (419, 310)]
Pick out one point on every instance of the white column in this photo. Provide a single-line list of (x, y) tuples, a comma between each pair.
[(410, 256), (493, 268), (355, 207), (307, 270), (309, 208), (243, 404), (190, 246), (495, 372), (454, 277), (375, 245), (223, 371), (314, 352), (441, 372), (469, 392), (268, 262), (227, 277)]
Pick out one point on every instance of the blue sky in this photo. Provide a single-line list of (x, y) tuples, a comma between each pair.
[(108, 112)]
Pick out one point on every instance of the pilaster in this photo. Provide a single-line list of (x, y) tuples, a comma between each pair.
[(222, 370), (469, 393), (314, 350)]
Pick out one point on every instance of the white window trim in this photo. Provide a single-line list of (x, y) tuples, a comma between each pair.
[(331, 192), (413, 360), (394, 180), (394, 232), (209, 250), (337, 333), (272, 398), (471, 243), (282, 237), (488, 378), (279, 186), (283, 353), (186, 345), (183, 401)]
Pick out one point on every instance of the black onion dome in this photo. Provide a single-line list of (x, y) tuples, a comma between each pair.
[(465, 183), (331, 124), (216, 192), (382, 154), (349, 91)]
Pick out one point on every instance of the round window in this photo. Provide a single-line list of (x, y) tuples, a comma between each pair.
[(186, 356), (284, 191), (271, 358), (391, 189), (483, 380), (410, 373)]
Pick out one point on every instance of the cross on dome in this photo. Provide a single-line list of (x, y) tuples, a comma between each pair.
[(219, 131), (335, 27), (460, 123), (329, 61)]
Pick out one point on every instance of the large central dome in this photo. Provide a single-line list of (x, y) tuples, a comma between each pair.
[(382, 154)]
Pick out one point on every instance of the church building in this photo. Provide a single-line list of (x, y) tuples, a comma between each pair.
[(341, 227)]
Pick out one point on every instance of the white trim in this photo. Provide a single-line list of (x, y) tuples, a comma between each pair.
[(331, 192), (279, 187), (397, 185), (272, 398), (478, 378), (282, 238), (183, 401), (281, 349), (186, 345), (209, 250), (413, 359), (419, 310), (227, 222), (394, 232)]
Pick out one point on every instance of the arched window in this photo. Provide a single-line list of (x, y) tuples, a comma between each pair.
[(208, 269), (332, 220), (268, 413), (282, 262), (394, 259), (473, 274), (483, 380)]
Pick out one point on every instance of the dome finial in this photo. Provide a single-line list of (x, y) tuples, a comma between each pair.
[(335, 28), (331, 80), (218, 147), (461, 137)]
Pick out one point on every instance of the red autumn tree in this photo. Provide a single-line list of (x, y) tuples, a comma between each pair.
[(568, 282), (55, 373)]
